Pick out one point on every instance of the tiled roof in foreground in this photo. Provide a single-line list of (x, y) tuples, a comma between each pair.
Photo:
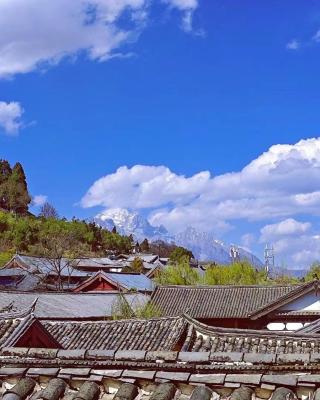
[(138, 375), (216, 301), (152, 334), (262, 342)]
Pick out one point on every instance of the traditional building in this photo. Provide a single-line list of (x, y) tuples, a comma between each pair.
[(71, 306), (44, 272), (165, 358), (38, 273), (105, 281), (279, 307)]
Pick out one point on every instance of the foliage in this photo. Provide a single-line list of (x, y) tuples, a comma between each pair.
[(14, 195), (239, 273), (313, 273), (163, 249), (180, 253), (5, 256), (48, 211), (179, 274), (147, 311), (32, 235), (122, 310), (284, 279), (144, 246), (135, 266)]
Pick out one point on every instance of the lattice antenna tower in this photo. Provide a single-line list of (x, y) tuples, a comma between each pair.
[(268, 257)]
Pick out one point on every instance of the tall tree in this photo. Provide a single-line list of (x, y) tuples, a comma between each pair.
[(145, 246), (48, 211), (5, 173), (19, 198)]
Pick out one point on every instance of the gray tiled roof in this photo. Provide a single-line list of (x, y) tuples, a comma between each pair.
[(69, 305), (9, 272), (153, 334), (43, 266), (132, 281), (148, 258), (216, 301)]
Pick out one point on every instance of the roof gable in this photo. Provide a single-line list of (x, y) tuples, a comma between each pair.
[(283, 303), (116, 281)]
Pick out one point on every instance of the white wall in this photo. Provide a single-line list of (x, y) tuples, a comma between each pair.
[(309, 302)]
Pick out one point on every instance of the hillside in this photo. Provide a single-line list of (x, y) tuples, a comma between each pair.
[(46, 236)]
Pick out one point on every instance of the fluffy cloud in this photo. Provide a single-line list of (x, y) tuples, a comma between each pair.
[(297, 251), (288, 227), (40, 33), (39, 200), (145, 187), (10, 117), (282, 182)]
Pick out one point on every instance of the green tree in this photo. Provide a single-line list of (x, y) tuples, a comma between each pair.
[(144, 246), (179, 274), (136, 265), (48, 211), (180, 253), (5, 173), (238, 273), (121, 309), (18, 195)]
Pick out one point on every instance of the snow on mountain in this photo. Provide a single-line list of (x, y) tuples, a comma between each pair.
[(205, 247), (202, 244), (132, 223)]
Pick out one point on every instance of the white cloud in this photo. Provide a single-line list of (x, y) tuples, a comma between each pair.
[(39, 200), (297, 251), (287, 227), (187, 7), (293, 45), (35, 34), (10, 117), (282, 182), (143, 187)]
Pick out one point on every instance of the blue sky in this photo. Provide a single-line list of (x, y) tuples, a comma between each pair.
[(189, 85)]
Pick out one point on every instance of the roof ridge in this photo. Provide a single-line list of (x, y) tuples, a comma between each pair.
[(294, 286), (129, 320)]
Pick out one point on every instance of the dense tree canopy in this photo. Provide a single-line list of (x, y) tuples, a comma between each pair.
[(239, 273), (36, 236), (179, 253), (14, 195)]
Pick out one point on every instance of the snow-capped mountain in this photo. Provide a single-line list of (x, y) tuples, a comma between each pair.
[(132, 223), (202, 244), (205, 247)]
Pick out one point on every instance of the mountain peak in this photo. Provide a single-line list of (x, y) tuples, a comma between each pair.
[(132, 223), (203, 245)]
